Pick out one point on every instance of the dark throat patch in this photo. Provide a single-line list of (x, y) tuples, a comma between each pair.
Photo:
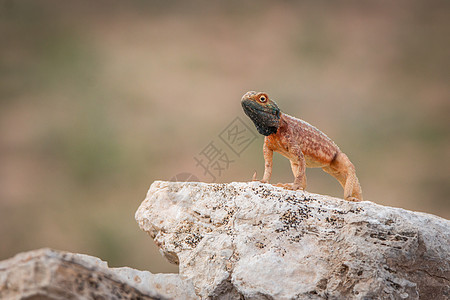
[(265, 118)]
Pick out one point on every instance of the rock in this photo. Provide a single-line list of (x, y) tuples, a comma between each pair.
[(49, 274), (256, 241)]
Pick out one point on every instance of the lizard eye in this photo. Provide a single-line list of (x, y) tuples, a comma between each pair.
[(263, 99)]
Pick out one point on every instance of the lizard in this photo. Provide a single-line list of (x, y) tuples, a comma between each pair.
[(300, 142)]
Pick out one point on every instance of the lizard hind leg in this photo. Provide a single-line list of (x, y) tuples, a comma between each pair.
[(344, 171)]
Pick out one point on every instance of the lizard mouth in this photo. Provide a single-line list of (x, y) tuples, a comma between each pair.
[(265, 118)]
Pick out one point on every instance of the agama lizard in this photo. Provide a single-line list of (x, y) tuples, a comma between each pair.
[(300, 142)]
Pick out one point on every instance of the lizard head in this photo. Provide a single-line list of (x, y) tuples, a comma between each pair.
[(264, 112)]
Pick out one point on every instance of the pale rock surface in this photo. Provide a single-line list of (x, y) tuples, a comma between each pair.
[(256, 241), (56, 275)]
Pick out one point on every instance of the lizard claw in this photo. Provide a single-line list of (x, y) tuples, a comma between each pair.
[(254, 177)]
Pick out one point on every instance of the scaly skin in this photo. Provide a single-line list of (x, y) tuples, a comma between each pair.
[(303, 144)]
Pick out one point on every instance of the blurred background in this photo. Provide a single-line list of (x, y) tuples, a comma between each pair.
[(100, 98)]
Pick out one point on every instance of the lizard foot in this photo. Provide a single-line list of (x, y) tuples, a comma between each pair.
[(353, 199), (289, 186), (262, 180)]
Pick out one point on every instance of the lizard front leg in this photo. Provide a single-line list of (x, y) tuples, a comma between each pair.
[(298, 169), (268, 162), (298, 166)]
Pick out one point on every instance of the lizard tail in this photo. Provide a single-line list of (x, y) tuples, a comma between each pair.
[(254, 176)]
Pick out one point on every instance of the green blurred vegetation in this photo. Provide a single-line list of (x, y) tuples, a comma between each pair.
[(100, 99)]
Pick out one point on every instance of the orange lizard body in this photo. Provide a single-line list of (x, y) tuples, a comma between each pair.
[(303, 144)]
